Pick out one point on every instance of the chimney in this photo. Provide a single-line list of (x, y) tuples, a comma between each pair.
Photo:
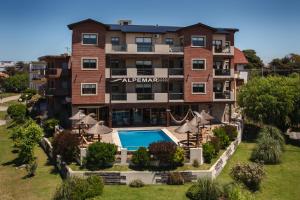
[(124, 22)]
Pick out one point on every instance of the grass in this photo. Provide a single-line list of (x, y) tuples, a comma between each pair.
[(13, 181), (8, 103), (8, 94), (2, 115)]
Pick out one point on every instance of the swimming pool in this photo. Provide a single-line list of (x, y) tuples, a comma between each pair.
[(133, 139)]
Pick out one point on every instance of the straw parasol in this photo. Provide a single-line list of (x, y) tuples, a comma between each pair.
[(88, 120), (199, 122), (206, 115), (186, 128), (78, 116), (99, 129)]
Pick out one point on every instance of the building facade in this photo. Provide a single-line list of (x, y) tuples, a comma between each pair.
[(135, 75), (37, 79)]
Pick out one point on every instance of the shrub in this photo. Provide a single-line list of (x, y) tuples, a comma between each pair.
[(175, 178), (79, 188), (221, 134), (163, 152), (26, 152), (137, 183), (208, 152), (100, 155), (141, 157), (27, 94), (231, 131), (49, 126), (31, 168), (235, 192), (215, 141), (17, 112), (178, 157), (204, 189), (195, 163), (250, 174), (16, 83), (66, 145), (272, 132), (267, 150)]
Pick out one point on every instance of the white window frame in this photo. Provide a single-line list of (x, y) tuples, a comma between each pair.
[(198, 36), (198, 83), (89, 58), (81, 84), (193, 59), (90, 34)]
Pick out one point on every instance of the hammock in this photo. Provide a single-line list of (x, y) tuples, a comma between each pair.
[(182, 120)]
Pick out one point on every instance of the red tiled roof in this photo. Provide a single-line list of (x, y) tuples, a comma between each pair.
[(239, 57), (3, 75)]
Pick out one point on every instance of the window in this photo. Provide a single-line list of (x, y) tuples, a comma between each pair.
[(144, 67), (143, 88), (89, 38), (198, 41), (198, 64), (169, 41), (144, 44), (115, 40), (89, 89), (199, 88), (89, 64)]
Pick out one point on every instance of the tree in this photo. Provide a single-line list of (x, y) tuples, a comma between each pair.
[(291, 61), (17, 112), (254, 61), (270, 100), (16, 83)]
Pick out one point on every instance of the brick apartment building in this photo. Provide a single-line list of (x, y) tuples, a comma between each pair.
[(131, 75)]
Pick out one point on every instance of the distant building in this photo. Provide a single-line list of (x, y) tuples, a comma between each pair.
[(240, 62), (37, 79), (5, 64)]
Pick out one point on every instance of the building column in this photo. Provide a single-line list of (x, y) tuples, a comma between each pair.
[(168, 115), (110, 116)]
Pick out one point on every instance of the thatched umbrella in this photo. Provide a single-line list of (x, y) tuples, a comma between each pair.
[(99, 129), (88, 120), (207, 116), (186, 128), (78, 116), (198, 121)]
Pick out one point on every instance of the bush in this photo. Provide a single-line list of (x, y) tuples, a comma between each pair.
[(235, 192), (175, 178), (221, 134), (215, 141), (163, 152), (79, 188), (141, 157), (178, 157), (16, 83), (137, 183), (208, 152), (31, 168), (100, 155), (204, 189), (49, 126), (17, 112), (267, 150), (27, 94), (66, 145), (231, 131), (274, 133), (250, 174), (195, 163)]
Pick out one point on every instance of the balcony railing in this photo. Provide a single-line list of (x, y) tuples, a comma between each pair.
[(222, 72), (118, 71), (176, 49), (118, 96), (176, 96), (145, 48), (223, 96), (145, 96), (176, 71), (224, 50), (53, 72), (122, 47)]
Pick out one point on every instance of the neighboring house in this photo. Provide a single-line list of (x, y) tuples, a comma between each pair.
[(5, 64), (132, 75), (240, 61), (37, 79), (3, 75), (58, 86)]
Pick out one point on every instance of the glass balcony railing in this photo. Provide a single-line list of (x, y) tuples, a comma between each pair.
[(175, 71), (118, 96), (145, 48), (225, 95), (222, 72), (176, 49), (175, 96), (145, 71), (145, 96), (122, 47), (119, 71)]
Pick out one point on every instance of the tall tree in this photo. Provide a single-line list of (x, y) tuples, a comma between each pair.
[(254, 60)]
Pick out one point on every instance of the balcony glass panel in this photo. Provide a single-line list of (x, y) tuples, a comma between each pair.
[(145, 96), (119, 96), (175, 96)]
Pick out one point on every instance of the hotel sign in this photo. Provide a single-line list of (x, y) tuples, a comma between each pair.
[(139, 80)]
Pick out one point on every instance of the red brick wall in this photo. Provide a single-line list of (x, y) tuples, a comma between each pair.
[(88, 76), (198, 75)]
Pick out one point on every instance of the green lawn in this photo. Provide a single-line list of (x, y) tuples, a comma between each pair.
[(2, 115), (14, 185), (10, 103), (8, 94)]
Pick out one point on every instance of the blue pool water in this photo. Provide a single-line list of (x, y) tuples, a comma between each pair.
[(133, 139)]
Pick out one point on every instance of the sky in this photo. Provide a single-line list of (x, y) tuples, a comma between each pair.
[(33, 28)]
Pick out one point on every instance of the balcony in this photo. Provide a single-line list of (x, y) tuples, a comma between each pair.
[(223, 73), (136, 98), (175, 71), (53, 72), (118, 71), (57, 92), (132, 72), (223, 96), (143, 49), (223, 51), (175, 97)]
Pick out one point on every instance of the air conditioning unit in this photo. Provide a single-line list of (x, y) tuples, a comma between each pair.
[(156, 35)]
